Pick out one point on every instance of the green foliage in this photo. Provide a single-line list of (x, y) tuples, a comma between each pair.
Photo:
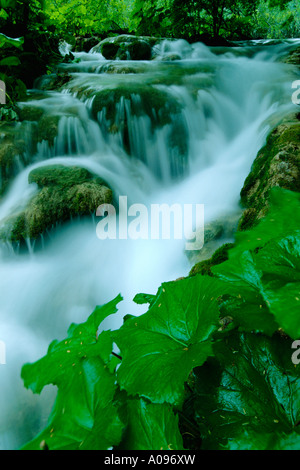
[(202, 19), (247, 397), (25, 55), (84, 414), (212, 355), (84, 17), (264, 265), (277, 19), (177, 329)]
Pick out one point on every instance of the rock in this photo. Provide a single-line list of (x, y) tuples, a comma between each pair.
[(63, 193), (218, 257), (158, 104), (85, 44), (171, 57), (139, 50), (277, 164), (126, 47), (48, 128), (216, 233), (293, 57), (116, 108), (11, 149), (29, 112), (217, 41)]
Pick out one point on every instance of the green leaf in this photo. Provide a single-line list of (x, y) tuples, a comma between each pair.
[(3, 14), (161, 347), (5, 41), (268, 274), (283, 216), (150, 427), (10, 61), (80, 367), (144, 299), (248, 395)]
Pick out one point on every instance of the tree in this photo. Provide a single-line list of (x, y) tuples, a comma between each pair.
[(191, 18)]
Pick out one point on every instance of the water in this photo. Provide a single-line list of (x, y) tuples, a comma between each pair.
[(197, 148)]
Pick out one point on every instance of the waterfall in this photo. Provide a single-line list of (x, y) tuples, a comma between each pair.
[(182, 131)]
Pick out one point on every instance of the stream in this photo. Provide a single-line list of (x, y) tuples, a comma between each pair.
[(211, 112)]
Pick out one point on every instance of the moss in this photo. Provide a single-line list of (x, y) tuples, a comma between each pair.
[(139, 50), (64, 193), (109, 50), (48, 128), (30, 113), (60, 175), (277, 164), (11, 148), (157, 104), (219, 256), (249, 219), (126, 46)]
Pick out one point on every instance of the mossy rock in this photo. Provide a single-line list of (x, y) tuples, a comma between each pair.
[(139, 50), (61, 176), (48, 128), (126, 47), (293, 57), (158, 104), (63, 193), (29, 112), (217, 233), (277, 164), (219, 256), (11, 150)]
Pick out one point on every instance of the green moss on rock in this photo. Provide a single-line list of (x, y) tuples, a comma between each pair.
[(126, 47), (158, 104), (64, 193), (277, 164), (11, 149), (48, 128), (219, 256)]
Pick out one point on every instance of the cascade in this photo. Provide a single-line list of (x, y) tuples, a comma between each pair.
[(182, 131)]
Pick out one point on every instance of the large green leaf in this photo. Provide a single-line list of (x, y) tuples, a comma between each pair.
[(6, 41), (283, 217), (84, 414), (248, 396), (11, 61), (160, 348), (150, 427), (263, 270)]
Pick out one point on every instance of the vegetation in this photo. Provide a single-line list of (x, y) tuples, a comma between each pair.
[(236, 387), (209, 364), (31, 29)]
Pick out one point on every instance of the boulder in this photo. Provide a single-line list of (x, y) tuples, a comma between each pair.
[(64, 192), (126, 47), (277, 164), (216, 233), (11, 150), (293, 57)]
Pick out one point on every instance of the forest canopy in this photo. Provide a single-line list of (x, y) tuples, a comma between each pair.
[(232, 19), (39, 25)]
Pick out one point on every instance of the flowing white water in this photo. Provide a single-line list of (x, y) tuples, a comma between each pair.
[(228, 104)]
